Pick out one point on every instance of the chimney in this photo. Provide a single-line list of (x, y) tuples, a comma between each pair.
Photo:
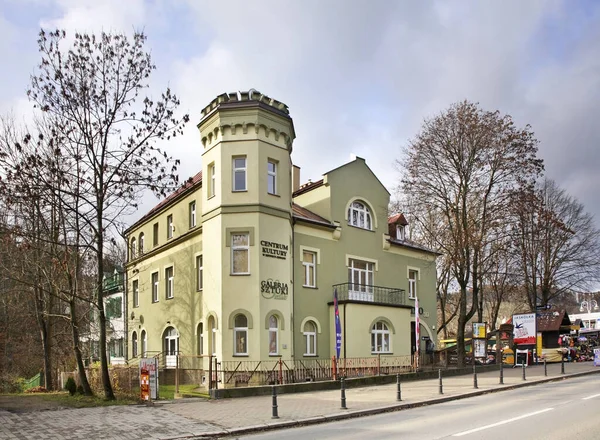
[(295, 178)]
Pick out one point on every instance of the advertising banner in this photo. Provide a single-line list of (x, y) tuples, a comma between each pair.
[(149, 368), (338, 325), (524, 328)]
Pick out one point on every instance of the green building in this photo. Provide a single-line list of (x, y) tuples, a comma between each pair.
[(242, 262)]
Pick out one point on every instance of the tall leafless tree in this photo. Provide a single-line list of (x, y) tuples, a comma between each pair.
[(464, 164), (557, 244), (103, 135)]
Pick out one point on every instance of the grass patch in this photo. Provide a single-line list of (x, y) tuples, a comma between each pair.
[(57, 400)]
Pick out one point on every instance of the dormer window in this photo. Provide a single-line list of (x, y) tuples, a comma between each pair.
[(359, 215), (400, 232)]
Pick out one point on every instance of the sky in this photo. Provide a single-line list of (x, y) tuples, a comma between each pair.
[(359, 77)]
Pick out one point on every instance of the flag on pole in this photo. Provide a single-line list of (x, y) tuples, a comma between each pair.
[(338, 325), (417, 332)]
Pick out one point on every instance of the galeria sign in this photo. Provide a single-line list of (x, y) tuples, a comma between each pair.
[(273, 289)]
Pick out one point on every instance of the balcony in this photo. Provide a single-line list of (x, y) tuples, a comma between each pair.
[(370, 294)]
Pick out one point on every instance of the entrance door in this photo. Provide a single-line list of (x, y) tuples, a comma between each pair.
[(171, 347)]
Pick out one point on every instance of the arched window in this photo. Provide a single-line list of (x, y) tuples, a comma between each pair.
[(273, 335), (141, 244), (212, 336), (359, 215), (310, 338), (200, 339), (380, 338), (144, 344), (134, 345), (240, 335), (133, 248), (171, 347)]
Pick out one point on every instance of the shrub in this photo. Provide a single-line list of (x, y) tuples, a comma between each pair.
[(79, 389), (38, 389), (70, 386)]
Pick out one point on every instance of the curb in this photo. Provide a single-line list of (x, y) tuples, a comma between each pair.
[(350, 414)]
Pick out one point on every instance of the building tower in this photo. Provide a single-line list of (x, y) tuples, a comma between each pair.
[(247, 226)]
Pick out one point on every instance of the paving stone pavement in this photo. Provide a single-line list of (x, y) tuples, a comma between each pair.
[(189, 418)]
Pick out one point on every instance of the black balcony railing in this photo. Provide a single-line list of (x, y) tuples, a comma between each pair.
[(372, 294)]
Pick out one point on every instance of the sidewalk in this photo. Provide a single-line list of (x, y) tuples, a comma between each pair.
[(197, 418)]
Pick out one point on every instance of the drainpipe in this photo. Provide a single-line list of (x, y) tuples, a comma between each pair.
[(292, 328)]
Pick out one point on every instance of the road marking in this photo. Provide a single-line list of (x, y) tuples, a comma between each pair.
[(591, 397), (460, 434)]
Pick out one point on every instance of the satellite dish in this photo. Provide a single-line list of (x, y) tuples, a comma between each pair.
[(132, 316), (141, 319)]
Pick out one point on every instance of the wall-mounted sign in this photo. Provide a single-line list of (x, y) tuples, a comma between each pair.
[(273, 289), (412, 310), (274, 250)]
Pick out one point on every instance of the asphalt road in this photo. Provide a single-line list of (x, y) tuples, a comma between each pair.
[(559, 410)]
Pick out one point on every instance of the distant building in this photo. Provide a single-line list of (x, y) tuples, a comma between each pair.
[(242, 262)]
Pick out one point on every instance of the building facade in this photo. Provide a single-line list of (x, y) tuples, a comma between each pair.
[(242, 262)]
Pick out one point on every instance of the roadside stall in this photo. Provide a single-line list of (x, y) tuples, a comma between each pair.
[(555, 328)]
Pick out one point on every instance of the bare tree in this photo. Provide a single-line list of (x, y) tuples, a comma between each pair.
[(99, 137), (557, 244), (463, 165)]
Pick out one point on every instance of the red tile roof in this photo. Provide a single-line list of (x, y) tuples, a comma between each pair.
[(189, 184), (397, 219), (302, 213), (307, 187)]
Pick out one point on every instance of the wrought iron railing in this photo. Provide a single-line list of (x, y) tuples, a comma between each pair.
[(369, 293)]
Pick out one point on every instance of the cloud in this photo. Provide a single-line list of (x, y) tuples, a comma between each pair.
[(360, 77)]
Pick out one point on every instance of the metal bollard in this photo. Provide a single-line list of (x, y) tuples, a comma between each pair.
[(441, 386), (398, 390), (274, 414), (562, 364), (524, 371), (343, 390), (475, 377), (501, 373), (545, 369)]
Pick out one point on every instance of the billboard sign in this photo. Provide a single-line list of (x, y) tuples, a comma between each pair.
[(524, 328)]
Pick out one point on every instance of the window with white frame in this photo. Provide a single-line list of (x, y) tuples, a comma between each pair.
[(309, 260), (199, 273), (360, 280), (400, 232), (380, 338), (135, 288), (239, 173), (200, 339), (359, 215), (144, 339), (192, 214), (310, 338), (169, 282), (141, 244), (211, 180), (133, 248), (155, 234), (134, 344), (170, 226), (273, 335), (212, 336), (154, 277), (240, 335), (240, 253), (413, 276), (272, 177)]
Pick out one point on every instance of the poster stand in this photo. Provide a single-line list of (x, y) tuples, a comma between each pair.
[(521, 358)]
